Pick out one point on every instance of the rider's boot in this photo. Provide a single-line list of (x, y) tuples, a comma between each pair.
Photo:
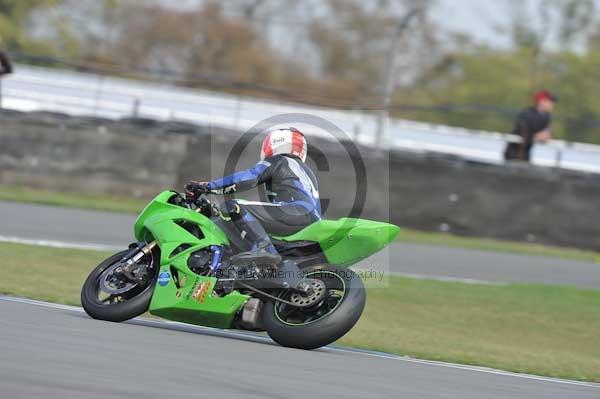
[(263, 251)]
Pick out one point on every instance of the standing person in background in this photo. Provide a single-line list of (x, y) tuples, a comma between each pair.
[(5, 67), (5, 64), (533, 125)]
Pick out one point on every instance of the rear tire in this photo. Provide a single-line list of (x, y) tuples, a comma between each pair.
[(328, 328), (118, 311)]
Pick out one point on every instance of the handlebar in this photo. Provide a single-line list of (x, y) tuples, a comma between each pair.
[(202, 203)]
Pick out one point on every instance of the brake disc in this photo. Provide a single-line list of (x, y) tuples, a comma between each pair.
[(113, 283), (315, 295)]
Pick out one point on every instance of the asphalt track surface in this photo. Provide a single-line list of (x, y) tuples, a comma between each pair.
[(104, 230), (54, 351)]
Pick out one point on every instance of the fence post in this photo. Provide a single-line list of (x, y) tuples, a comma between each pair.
[(558, 159), (356, 131), (99, 87), (238, 111), (136, 108)]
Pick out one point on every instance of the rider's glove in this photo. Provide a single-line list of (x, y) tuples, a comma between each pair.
[(195, 188)]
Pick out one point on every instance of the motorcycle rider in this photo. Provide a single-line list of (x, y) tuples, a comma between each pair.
[(292, 189)]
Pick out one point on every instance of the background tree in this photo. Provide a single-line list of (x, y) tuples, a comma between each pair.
[(331, 53), (15, 23)]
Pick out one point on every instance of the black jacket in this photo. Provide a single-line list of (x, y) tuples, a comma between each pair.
[(5, 64), (529, 122)]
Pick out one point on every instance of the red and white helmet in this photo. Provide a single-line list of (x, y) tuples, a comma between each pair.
[(284, 141)]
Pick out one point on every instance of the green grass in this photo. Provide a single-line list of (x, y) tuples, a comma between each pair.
[(129, 205), (542, 330), (485, 244), (534, 329), (48, 274), (71, 200)]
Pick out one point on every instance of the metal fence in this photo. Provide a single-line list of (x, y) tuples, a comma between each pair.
[(36, 88)]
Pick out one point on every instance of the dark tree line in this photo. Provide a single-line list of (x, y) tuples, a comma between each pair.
[(332, 52)]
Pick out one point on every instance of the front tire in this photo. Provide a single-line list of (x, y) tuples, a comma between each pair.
[(302, 330), (126, 306)]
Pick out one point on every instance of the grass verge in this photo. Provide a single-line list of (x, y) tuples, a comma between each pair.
[(71, 200), (486, 244), (129, 205), (534, 329)]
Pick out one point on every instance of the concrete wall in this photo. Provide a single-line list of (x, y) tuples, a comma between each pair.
[(517, 202), (141, 157)]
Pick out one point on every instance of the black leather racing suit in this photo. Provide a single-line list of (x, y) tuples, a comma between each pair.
[(5, 64), (292, 192)]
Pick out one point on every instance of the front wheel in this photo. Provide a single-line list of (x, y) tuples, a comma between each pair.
[(108, 295), (340, 298)]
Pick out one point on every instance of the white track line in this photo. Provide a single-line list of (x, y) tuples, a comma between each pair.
[(332, 348), (415, 276), (60, 244), (448, 279), (108, 248)]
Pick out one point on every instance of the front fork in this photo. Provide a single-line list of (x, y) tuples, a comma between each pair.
[(142, 250), (129, 261)]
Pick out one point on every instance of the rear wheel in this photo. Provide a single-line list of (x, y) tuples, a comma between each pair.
[(334, 306), (108, 295)]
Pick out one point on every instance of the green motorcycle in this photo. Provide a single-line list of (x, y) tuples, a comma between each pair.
[(181, 270)]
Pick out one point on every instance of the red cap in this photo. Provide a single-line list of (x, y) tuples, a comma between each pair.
[(544, 95)]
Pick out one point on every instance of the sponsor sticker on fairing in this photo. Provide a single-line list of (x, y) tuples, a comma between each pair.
[(200, 291), (164, 278)]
